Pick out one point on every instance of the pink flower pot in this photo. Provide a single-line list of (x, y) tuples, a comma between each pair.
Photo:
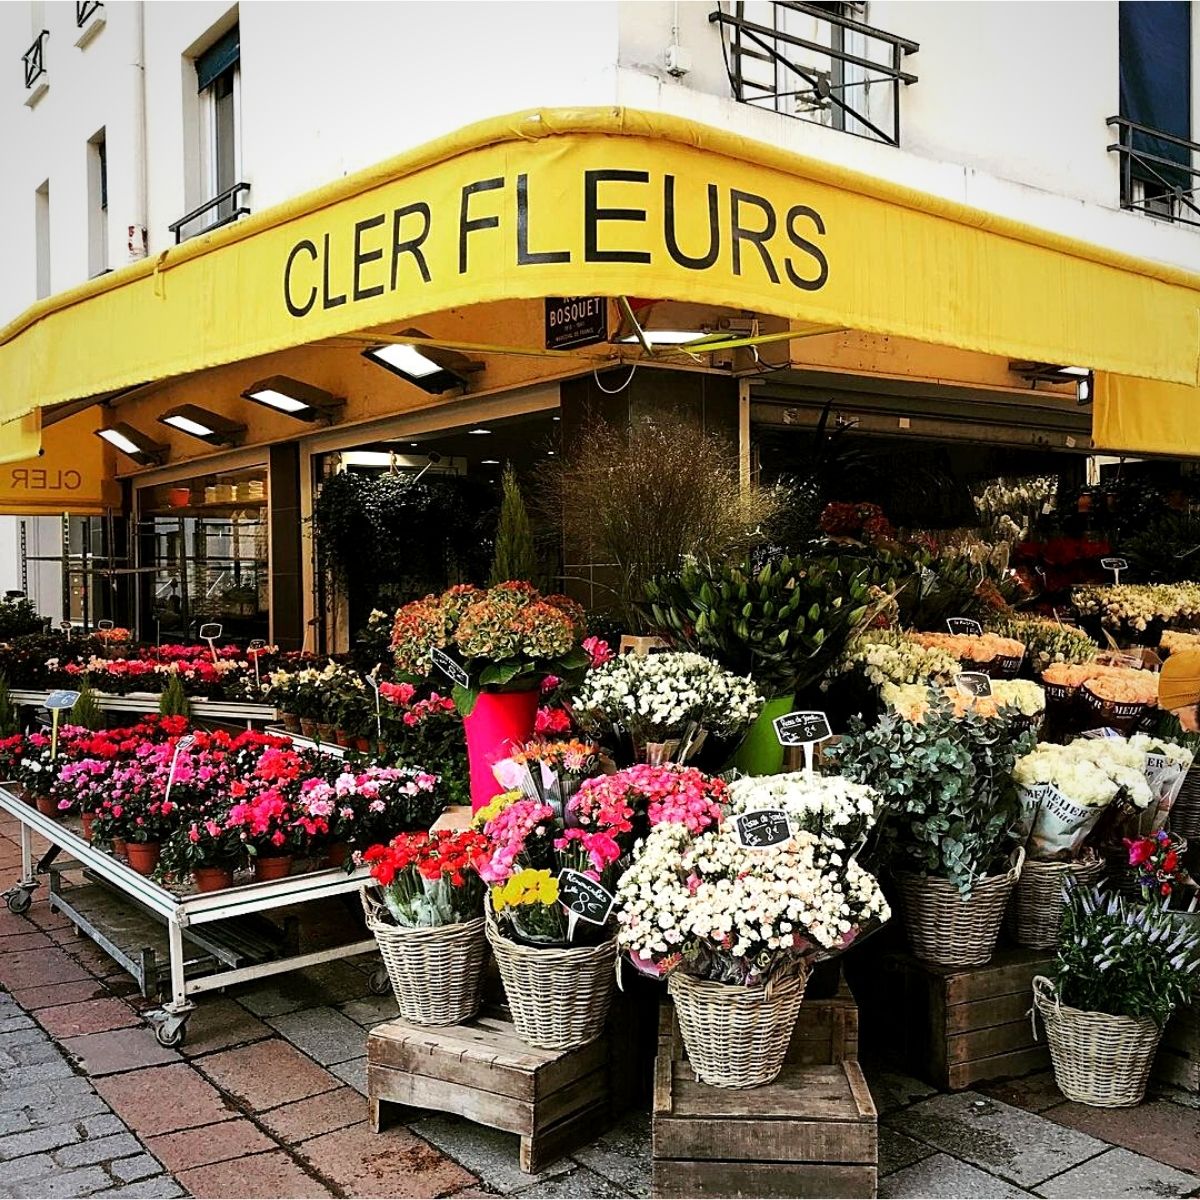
[(498, 722)]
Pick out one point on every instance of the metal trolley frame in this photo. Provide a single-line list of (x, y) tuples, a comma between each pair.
[(140, 703)]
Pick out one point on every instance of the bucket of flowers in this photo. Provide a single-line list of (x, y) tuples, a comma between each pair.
[(426, 912), (549, 919), (551, 772), (735, 920), (661, 707), (1121, 971)]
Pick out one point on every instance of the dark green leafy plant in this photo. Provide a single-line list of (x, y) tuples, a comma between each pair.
[(174, 702), (10, 717), (784, 624), (18, 617), (1124, 958), (949, 799), (515, 556), (86, 710), (1165, 549)]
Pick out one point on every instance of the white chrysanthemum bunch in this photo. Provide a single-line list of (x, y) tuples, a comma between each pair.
[(830, 806), (660, 696), (735, 915)]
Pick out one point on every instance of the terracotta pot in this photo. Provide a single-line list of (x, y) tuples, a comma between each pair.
[(143, 856), (308, 727), (291, 722), (326, 732), (273, 866), (341, 737), (212, 879), (362, 744), (337, 854), (120, 848), (87, 818), (498, 722), (47, 807)]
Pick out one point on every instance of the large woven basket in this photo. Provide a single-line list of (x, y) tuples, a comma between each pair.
[(437, 972), (948, 930), (1035, 910), (559, 998), (1098, 1059), (736, 1037), (1185, 813)]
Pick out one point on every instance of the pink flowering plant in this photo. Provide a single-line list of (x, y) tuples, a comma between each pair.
[(422, 728), (633, 801)]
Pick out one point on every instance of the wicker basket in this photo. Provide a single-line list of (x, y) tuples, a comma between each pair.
[(1035, 911), (559, 998), (736, 1037), (436, 972), (1098, 1059), (1185, 813), (948, 930)]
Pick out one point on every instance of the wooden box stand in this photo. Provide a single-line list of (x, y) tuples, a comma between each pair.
[(956, 1026), (555, 1100), (1178, 1058), (813, 1131)]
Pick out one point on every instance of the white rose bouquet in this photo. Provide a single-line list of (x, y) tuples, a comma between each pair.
[(1135, 605)]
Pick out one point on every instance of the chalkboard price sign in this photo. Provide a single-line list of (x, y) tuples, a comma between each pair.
[(453, 670), (967, 625), (1114, 564), (61, 699), (797, 728), (584, 898), (211, 630), (973, 683), (762, 828)]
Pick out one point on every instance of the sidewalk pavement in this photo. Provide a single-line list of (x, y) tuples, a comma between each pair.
[(265, 1099)]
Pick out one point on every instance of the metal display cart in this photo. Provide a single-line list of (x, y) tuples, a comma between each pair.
[(207, 948), (230, 711)]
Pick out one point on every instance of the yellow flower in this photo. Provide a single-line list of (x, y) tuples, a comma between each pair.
[(493, 808)]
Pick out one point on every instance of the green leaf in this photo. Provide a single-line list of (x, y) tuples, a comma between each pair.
[(464, 699)]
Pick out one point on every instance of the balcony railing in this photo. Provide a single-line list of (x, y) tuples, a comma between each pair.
[(84, 10), (816, 65), (224, 209), (1152, 183), (35, 59)]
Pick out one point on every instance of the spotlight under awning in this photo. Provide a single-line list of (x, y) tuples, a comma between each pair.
[(134, 444), (207, 426), (293, 398)]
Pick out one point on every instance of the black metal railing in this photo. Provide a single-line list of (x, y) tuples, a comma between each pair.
[(84, 10), (223, 208), (35, 59), (817, 65), (1152, 183)]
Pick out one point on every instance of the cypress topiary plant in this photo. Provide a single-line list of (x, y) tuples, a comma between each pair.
[(514, 557), (87, 711), (174, 702), (10, 718)]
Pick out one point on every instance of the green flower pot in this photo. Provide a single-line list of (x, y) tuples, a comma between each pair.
[(760, 752)]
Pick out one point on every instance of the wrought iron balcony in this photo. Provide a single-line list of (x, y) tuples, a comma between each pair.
[(817, 65), (35, 60), (1153, 183), (84, 10), (221, 210)]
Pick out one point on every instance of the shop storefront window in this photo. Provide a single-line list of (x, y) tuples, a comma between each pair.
[(206, 541)]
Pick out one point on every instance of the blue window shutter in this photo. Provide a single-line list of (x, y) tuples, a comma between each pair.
[(218, 58)]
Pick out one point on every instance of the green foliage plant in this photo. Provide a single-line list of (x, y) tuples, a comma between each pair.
[(174, 702), (946, 780), (87, 711), (785, 624), (1124, 958), (514, 556), (10, 717), (18, 618)]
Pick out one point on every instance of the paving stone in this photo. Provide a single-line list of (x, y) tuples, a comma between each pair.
[(491, 1154), (27, 1035), (74, 1105), (326, 983), (139, 1166), (208, 1144), (31, 940), (354, 1073), (622, 1154), (265, 1074), (87, 1016), (164, 1099), (322, 1033), (56, 1068), (32, 1166), (1160, 1130), (269, 1175), (15, 1121), (118, 1050), (98, 1150), (1016, 1145), (12, 1024), (941, 1177), (39, 968), (394, 1163), (1034, 1093), (218, 1024), (34, 1054), (103, 1124), (1120, 1173), (83, 1182), (891, 1091), (580, 1182), (51, 995), (159, 1188), (303, 1119), (32, 1141), (897, 1151), (371, 1010)]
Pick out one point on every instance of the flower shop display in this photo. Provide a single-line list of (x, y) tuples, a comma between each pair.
[(430, 925), (1046, 640), (1122, 969), (735, 930), (889, 656), (1099, 694), (783, 625), (550, 772), (1015, 697), (990, 653), (662, 707), (950, 806), (631, 802), (1175, 641), (495, 647), (1137, 612)]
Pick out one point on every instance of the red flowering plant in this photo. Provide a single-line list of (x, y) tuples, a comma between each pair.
[(507, 638), (266, 812), (423, 729), (1156, 865), (430, 879)]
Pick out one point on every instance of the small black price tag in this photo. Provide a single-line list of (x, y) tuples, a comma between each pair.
[(453, 670), (762, 828), (61, 699), (588, 900), (967, 625), (973, 683), (1114, 564), (211, 630), (796, 728)]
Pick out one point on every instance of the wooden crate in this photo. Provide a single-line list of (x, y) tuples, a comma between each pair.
[(813, 1131), (1178, 1058), (956, 1026), (555, 1100)]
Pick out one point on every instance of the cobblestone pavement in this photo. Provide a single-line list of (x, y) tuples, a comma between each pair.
[(265, 1099)]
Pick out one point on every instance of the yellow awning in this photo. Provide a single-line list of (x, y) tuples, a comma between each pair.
[(604, 202), (73, 472), (1146, 416)]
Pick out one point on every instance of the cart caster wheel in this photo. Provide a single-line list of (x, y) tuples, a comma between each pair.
[(380, 983), (19, 901), (170, 1033)]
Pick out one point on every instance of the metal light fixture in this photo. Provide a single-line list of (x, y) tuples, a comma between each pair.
[(430, 368), (1040, 372), (207, 426), (134, 444), (293, 398)]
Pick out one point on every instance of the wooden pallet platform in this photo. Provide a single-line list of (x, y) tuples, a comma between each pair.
[(812, 1132), (555, 1100)]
